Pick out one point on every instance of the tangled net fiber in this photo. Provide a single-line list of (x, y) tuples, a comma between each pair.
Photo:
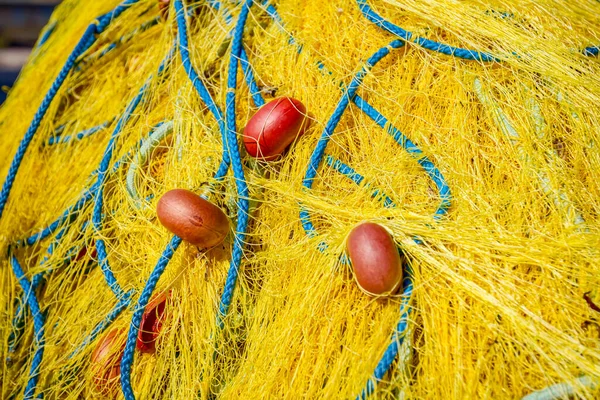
[(468, 129)]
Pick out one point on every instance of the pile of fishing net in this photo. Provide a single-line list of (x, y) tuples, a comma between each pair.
[(463, 135)]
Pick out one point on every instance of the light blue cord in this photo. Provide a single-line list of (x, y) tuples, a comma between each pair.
[(157, 135), (81, 135), (564, 390)]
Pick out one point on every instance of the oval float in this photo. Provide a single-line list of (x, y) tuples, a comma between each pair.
[(375, 259), (151, 324), (274, 127), (192, 218), (106, 364)]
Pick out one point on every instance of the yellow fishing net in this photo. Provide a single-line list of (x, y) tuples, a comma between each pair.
[(504, 285)]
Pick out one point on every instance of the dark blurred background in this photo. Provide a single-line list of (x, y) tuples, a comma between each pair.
[(20, 24)]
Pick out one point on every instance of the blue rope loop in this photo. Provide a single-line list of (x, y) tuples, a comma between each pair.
[(412, 149), (392, 350), (319, 151)]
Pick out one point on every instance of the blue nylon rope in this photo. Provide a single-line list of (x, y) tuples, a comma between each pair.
[(86, 61), (136, 319), (255, 91), (101, 179), (46, 33), (199, 85), (70, 213), (378, 20), (87, 39), (398, 337), (121, 305), (230, 133), (432, 45), (435, 174), (391, 352), (38, 324), (378, 118), (39, 279), (97, 191), (18, 322), (236, 164), (83, 44), (591, 51)]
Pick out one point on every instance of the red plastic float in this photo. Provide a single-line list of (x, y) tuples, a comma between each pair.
[(274, 127), (163, 7), (192, 218), (375, 259), (84, 252), (151, 324), (106, 364)]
